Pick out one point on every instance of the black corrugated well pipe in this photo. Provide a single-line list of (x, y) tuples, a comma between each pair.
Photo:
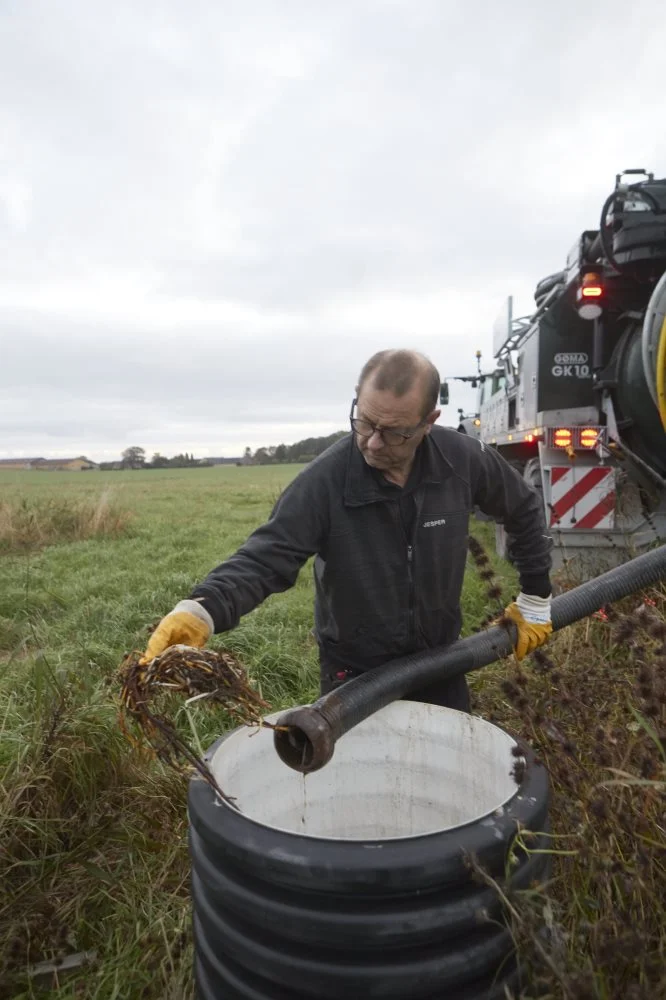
[(306, 737)]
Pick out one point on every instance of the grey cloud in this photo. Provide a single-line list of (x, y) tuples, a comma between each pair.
[(331, 167)]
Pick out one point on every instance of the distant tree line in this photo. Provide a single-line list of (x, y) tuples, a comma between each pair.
[(302, 451), (135, 458), (281, 454)]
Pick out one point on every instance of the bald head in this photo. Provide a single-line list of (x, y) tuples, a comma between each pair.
[(401, 371)]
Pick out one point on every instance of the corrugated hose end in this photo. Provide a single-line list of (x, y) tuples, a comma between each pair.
[(304, 739)]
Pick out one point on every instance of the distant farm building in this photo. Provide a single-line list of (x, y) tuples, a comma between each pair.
[(79, 464), (19, 463)]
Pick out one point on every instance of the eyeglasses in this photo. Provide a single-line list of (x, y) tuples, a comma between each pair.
[(389, 435)]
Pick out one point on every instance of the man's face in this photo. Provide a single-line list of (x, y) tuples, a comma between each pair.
[(383, 409)]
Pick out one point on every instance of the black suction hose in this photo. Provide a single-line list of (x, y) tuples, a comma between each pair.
[(604, 234), (307, 736)]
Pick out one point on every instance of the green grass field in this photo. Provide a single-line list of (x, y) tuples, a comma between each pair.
[(93, 854), (95, 833)]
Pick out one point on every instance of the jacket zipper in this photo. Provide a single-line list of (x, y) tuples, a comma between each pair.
[(411, 611), (410, 578), (419, 497)]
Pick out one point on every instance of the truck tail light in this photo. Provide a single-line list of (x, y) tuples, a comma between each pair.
[(589, 437), (590, 295), (575, 438), (562, 437)]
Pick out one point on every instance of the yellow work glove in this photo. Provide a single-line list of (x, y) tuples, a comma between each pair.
[(188, 624), (531, 616)]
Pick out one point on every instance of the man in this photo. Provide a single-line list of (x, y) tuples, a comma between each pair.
[(385, 511)]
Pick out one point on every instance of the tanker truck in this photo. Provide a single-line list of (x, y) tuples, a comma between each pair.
[(576, 397)]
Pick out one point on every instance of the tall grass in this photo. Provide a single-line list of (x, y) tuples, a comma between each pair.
[(92, 856), (31, 523), (594, 709), (93, 850)]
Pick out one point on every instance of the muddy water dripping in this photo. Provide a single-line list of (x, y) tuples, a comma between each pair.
[(304, 807)]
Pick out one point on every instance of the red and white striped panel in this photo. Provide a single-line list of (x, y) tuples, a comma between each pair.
[(582, 497)]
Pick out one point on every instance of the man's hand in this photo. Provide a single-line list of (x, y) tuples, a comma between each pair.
[(531, 616), (188, 623)]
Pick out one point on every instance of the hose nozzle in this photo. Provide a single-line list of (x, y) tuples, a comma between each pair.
[(303, 739)]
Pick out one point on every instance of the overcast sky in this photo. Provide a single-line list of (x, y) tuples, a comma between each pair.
[(213, 212)]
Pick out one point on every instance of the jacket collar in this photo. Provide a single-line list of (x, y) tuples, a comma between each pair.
[(361, 486)]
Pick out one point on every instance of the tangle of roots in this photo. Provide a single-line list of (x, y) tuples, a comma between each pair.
[(200, 675)]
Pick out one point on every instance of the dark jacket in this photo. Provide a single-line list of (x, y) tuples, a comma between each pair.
[(380, 593)]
